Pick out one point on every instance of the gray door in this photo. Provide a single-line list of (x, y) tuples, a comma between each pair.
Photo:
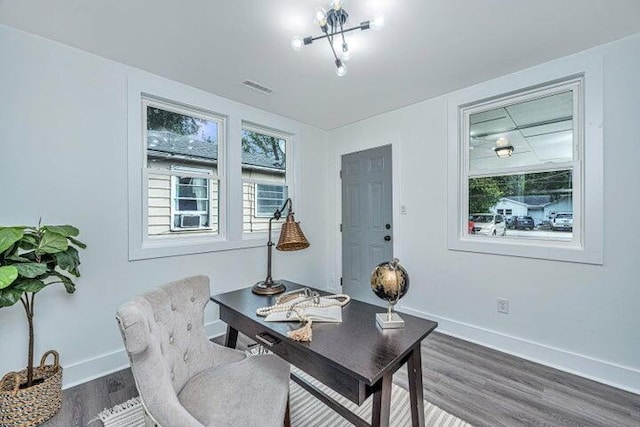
[(367, 229)]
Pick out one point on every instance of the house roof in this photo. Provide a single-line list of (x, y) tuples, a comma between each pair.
[(530, 201), (167, 143)]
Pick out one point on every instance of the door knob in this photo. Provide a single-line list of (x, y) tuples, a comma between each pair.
[(387, 226), (387, 238)]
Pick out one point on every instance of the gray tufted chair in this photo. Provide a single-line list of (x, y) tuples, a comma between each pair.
[(184, 379)]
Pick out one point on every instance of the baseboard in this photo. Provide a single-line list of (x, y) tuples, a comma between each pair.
[(622, 377), (96, 367)]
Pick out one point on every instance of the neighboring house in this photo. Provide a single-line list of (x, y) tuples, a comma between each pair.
[(532, 206), (538, 207), (167, 211), (563, 204)]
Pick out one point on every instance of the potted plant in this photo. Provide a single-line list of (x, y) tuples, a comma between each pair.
[(31, 259)]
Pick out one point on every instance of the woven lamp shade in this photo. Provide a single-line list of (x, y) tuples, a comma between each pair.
[(291, 236)]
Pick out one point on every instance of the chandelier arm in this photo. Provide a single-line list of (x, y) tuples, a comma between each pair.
[(330, 40), (363, 26)]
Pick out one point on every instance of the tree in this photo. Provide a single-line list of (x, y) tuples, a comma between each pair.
[(270, 146), (548, 182), (510, 185), (158, 119), (483, 194)]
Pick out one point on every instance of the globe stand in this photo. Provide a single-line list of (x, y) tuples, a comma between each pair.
[(390, 319)]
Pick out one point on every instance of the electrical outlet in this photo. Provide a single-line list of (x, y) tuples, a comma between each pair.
[(503, 305)]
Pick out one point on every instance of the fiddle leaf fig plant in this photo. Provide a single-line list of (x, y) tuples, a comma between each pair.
[(32, 258)]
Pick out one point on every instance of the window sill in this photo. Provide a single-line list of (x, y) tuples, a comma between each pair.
[(547, 250), (188, 245)]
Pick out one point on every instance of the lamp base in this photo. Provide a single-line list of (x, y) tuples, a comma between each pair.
[(262, 288)]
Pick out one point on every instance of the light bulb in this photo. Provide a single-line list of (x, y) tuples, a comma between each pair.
[(341, 69), (377, 23), (321, 17), (336, 4), (346, 53), (297, 43)]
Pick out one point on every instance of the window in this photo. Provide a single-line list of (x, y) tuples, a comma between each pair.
[(181, 169), (268, 199), (539, 170), (191, 199), (264, 176), (528, 151), (186, 195)]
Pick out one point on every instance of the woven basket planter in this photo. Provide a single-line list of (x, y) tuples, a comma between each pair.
[(33, 405)]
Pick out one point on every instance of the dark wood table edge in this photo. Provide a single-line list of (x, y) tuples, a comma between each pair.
[(381, 384), (232, 338), (368, 381)]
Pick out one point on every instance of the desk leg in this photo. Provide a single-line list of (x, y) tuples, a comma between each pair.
[(414, 366), (382, 402), (231, 339)]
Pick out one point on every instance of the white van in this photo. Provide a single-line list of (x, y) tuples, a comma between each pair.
[(488, 224)]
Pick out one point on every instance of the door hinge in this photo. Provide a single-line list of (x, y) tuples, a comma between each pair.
[(341, 282), (340, 173), (341, 228)]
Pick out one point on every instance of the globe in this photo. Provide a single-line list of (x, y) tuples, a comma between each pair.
[(390, 281)]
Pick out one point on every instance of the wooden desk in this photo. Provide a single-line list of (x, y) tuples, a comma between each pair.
[(355, 358)]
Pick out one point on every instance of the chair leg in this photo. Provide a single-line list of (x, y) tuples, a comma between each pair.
[(287, 415)]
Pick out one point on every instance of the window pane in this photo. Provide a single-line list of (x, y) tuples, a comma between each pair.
[(185, 207), (263, 159), (536, 205), (269, 198), (193, 181), (538, 132), (263, 156), (179, 139)]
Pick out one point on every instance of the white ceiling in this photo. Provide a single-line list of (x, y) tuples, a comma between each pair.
[(428, 47)]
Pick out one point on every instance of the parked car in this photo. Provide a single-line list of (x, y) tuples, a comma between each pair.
[(488, 224), (524, 223), (509, 222), (562, 221), (545, 225)]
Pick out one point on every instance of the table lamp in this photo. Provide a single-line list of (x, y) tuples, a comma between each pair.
[(291, 239)]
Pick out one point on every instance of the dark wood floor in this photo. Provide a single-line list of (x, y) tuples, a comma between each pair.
[(482, 386)]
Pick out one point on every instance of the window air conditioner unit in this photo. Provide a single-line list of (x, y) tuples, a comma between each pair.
[(190, 221)]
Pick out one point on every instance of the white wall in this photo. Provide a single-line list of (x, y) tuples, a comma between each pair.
[(577, 317), (63, 130), (63, 157)]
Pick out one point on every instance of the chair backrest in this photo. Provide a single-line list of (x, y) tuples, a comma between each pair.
[(164, 335)]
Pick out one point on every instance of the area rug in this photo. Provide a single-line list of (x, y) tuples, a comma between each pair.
[(308, 411)]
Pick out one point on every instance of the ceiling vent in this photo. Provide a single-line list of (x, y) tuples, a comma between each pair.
[(257, 86)]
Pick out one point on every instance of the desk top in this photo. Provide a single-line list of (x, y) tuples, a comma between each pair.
[(357, 345)]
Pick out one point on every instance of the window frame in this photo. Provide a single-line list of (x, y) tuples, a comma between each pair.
[(288, 138), (575, 84), (190, 172), (186, 110), (587, 246)]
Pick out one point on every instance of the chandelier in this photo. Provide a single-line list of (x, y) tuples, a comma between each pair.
[(332, 23)]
